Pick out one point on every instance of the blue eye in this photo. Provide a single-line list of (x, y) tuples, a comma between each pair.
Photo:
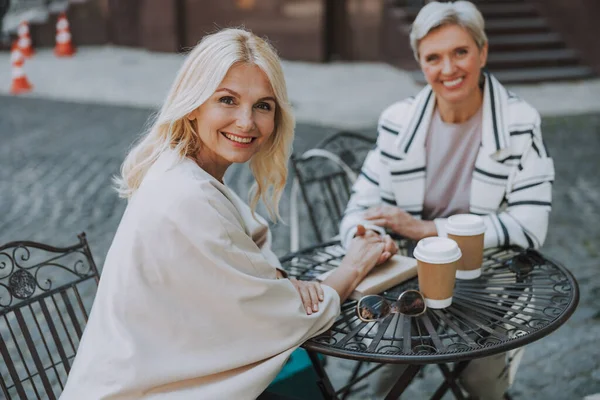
[(227, 100)]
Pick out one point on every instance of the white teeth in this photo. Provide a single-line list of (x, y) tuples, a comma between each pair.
[(453, 83), (237, 138)]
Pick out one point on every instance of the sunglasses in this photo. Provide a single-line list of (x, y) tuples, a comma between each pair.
[(523, 263), (374, 307)]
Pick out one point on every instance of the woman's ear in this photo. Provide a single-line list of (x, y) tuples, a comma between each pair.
[(192, 116), (483, 53)]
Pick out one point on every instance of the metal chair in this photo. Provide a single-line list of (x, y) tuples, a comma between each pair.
[(323, 178), (324, 182), (46, 294), (351, 147)]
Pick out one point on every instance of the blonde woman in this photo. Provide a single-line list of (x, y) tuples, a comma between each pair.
[(464, 144), (191, 304)]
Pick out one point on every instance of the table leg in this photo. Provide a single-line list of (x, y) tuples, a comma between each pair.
[(355, 372), (405, 379), (345, 391), (323, 381), (450, 378)]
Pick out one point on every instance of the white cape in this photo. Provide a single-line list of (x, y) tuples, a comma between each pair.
[(188, 305)]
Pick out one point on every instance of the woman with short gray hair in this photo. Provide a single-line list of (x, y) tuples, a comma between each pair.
[(464, 144)]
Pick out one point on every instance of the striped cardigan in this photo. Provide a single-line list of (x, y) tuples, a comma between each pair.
[(512, 180)]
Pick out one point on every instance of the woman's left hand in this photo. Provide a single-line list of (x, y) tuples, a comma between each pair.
[(400, 222), (311, 294)]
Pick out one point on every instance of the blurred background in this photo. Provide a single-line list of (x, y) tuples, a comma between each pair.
[(62, 139), (531, 40)]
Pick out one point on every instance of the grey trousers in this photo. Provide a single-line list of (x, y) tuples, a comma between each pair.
[(484, 378)]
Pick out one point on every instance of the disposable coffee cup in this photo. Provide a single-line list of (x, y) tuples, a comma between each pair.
[(467, 230), (437, 260)]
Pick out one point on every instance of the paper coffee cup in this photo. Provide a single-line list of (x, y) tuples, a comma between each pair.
[(467, 230), (437, 259)]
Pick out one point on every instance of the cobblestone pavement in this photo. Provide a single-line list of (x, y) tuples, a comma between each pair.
[(57, 160)]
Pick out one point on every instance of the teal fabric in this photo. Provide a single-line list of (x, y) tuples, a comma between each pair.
[(297, 378)]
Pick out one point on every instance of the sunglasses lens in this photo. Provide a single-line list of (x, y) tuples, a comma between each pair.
[(373, 308), (534, 257), (521, 265), (411, 303)]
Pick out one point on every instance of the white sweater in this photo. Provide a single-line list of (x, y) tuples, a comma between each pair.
[(512, 180), (188, 305)]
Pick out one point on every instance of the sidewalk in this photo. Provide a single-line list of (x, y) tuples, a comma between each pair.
[(346, 95)]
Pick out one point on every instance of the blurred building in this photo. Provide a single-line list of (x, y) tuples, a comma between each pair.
[(530, 40), (310, 30)]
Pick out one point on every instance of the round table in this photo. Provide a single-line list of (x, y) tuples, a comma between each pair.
[(502, 310)]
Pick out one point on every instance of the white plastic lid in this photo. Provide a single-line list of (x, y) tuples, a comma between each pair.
[(437, 250), (465, 225)]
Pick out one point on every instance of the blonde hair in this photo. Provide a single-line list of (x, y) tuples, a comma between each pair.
[(200, 75), (436, 14)]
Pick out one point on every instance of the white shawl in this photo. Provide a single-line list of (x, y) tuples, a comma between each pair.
[(188, 305)]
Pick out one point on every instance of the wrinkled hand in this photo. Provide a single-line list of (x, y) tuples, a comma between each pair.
[(400, 222), (368, 249), (311, 294)]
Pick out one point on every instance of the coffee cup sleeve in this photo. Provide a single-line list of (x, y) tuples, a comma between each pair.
[(440, 226)]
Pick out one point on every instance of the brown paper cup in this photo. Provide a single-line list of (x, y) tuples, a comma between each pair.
[(436, 282), (437, 260), (471, 247), (467, 230)]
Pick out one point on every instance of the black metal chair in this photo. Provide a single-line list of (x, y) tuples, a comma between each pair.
[(323, 180), (46, 294), (351, 147)]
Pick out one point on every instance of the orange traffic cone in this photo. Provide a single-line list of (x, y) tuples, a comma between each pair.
[(64, 47), (20, 83), (25, 40)]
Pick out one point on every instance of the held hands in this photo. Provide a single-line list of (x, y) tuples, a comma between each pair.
[(400, 222), (365, 251), (368, 249)]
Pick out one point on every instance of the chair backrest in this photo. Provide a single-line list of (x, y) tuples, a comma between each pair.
[(46, 294), (323, 182), (351, 147)]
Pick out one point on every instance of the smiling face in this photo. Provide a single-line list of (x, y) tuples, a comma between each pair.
[(236, 120), (452, 62)]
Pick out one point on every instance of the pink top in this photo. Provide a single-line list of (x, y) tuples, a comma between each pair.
[(451, 151)]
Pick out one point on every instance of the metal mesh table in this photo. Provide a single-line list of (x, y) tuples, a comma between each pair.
[(502, 310)]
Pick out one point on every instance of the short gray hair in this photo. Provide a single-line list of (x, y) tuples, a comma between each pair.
[(436, 14)]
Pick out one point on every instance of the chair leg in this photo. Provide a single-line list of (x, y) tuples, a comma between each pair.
[(323, 381)]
